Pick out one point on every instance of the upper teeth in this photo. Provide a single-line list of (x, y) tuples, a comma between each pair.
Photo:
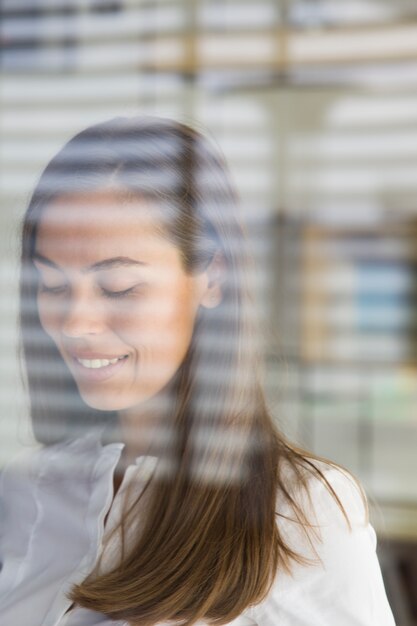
[(96, 363)]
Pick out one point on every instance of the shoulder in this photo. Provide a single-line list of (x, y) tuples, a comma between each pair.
[(66, 481), (337, 579), (321, 508), (327, 494), (49, 467), (18, 505)]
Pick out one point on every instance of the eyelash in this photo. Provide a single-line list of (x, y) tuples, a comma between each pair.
[(108, 294), (117, 294)]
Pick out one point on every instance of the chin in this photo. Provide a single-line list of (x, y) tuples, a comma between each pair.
[(114, 402), (101, 402)]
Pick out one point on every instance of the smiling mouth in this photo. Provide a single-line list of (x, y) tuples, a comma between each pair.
[(97, 370), (99, 363)]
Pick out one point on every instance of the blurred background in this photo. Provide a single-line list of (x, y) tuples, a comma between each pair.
[(314, 104)]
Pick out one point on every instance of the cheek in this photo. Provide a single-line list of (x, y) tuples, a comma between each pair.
[(50, 315), (163, 325)]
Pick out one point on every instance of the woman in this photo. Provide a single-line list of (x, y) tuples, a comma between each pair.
[(162, 492)]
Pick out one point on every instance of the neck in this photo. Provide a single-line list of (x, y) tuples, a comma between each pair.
[(145, 429)]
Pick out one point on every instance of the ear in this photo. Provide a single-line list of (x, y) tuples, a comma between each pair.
[(215, 273)]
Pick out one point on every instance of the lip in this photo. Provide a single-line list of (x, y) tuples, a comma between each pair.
[(102, 373), (94, 355)]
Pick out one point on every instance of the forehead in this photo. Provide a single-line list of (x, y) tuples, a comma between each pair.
[(99, 222)]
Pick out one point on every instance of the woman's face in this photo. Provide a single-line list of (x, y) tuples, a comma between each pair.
[(114, 297)]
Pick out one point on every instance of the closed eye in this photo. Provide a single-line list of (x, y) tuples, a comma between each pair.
[(57, 289), (109, 294), (117, 294)]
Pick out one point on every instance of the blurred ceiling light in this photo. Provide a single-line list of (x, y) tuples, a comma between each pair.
[(338, 380), (388, 75), (384, 145), (366, 347), (249, 179), (350, 44), (49, 122), (22, 153), (361, 178), (370, 248), (247, 147), (81, 89), (238, 113), (65, 89), (27, 5), (145, 21), (237, 15), (249, 49), (21, 29), (363, 111), (346, 214), (346, 12), (167, 52), (100, 7), (234, 79)]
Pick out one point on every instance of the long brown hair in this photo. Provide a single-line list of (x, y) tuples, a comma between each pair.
[(209, 546)]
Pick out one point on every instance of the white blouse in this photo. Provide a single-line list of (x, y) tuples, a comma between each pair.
[(53, 505)]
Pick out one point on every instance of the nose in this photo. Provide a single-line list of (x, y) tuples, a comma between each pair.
[(82, 317)]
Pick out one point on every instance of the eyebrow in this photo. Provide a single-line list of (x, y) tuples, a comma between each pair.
[(106, 264)]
